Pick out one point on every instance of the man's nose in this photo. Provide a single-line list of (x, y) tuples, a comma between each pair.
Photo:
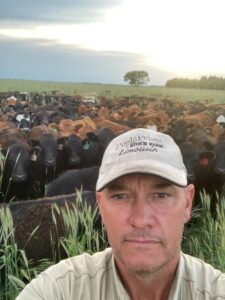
[(142, 214)]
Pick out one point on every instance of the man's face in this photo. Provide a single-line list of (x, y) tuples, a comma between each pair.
[(144, 216)]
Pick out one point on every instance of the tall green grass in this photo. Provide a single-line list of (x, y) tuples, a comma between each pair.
[(203, 238), (81, 232), (80, 236), (14, 266)]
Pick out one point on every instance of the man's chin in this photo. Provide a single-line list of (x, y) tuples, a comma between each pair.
[(142, 268), (144, 261)]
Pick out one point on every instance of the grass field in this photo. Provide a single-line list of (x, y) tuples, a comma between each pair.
[(111, 90)]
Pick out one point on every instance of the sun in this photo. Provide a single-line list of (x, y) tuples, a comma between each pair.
[(184, 37)]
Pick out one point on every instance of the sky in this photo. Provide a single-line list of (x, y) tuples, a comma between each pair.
[(99, 41)]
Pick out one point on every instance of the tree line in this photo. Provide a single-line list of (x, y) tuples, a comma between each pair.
[(205, 82), (138, 78)]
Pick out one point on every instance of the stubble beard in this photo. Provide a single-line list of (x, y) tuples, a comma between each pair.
[(144, 270), (140, 269)]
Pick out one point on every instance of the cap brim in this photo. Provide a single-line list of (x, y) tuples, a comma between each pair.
[(166, 171)]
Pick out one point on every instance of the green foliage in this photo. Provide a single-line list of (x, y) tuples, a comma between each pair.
[(137, 78), (205, 236), (80, 233), (211, 83), (14, 266), (79, 236)]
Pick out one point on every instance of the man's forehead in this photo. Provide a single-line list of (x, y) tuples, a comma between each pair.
[(153, 179)]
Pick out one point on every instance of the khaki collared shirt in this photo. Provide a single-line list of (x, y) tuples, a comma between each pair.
[(95, 277)]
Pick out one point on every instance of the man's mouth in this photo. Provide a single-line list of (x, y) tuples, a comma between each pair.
[(142, 240)]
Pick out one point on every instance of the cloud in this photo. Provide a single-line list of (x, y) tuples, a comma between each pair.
[(43, 39), (54, 11), (41, 60)]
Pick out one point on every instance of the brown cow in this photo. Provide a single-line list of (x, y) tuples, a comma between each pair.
[(66, 127), (37, 131), (116, 128), (203, 118)]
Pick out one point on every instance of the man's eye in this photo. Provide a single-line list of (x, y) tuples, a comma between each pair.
[(161, 195), (119, 196)]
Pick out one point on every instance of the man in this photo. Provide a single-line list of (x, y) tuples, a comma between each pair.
[(144, 201)]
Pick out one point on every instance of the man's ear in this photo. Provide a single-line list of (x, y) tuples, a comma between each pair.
[(99, 201), (189, 196)]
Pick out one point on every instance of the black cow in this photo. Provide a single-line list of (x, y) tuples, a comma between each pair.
[(71, 180), (35, 229), (95, 145), (200, 169), (70, 154), (208, 172), (42, 116), (105, 136), (178, 129), (191, 157), (43, 162), (216, 179), (16, 176)]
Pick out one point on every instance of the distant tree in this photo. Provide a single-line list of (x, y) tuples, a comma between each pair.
[(137, 78)]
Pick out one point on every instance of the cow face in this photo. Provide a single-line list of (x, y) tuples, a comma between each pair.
[(17, 159), (41, 117), (23, 122), (45, 150), (72, 151), (197, 162), (191, 157)]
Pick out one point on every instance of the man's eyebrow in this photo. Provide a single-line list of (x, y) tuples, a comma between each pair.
[(115, 186), (163, 184), (120, 185)]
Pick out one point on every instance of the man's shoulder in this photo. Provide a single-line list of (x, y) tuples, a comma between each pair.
[(194, 264), (82, 265), (203, 276), (79, 277)]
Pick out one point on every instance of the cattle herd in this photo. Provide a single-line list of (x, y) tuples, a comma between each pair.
[(54, 148)]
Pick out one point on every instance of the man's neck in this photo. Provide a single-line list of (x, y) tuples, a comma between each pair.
[(155, 286)]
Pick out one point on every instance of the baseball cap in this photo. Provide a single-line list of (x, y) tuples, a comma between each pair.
[(142, 150)]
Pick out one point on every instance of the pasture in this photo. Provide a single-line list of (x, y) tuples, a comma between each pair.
[(112, 90), (203, 237)]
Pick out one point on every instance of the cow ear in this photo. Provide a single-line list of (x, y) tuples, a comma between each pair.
[(78, 127), (54, 127), (208, 145), (92, 136), (62, 140), (33, 143)]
